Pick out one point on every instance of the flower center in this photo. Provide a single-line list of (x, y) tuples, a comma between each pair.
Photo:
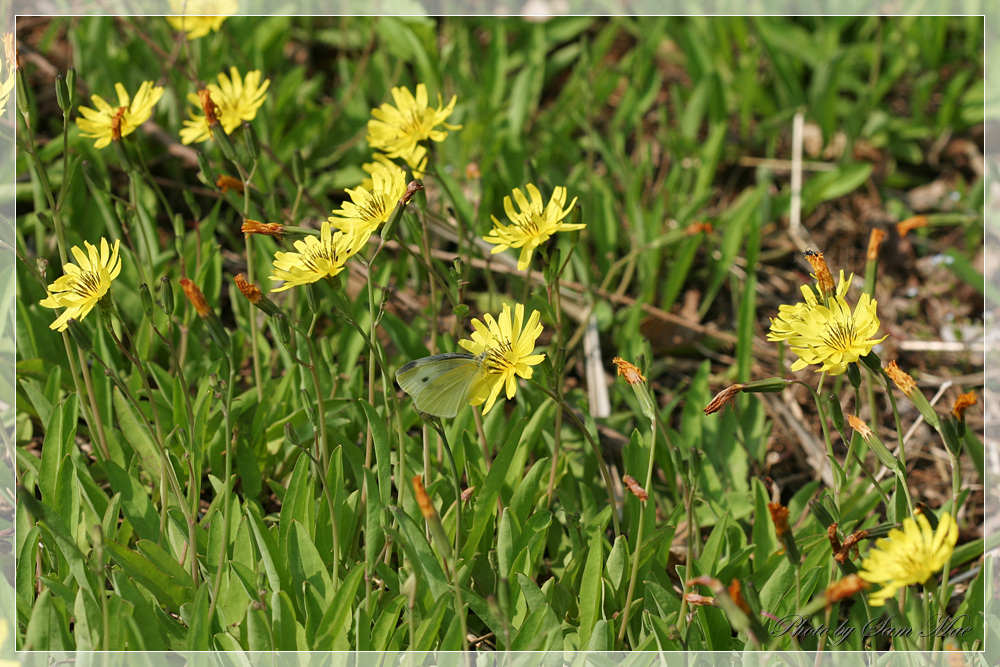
[(498, 360), (375, 206)]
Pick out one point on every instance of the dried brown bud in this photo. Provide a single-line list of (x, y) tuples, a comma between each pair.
[(264, 228), (850, 542), (699, 600), (962, 403), (634, 487), (737, 597), (467, 493), (698, 228), (629, 371), (472, 171), (116, 124), (249, 290), (831, 534), (779, 515), (874, 241), (423, 500), (227, 183), (727, 395), (845, 588), (209, 107), (824, 279), (196, 298), (902, 379), (412, 188), (904, 227), (859, 426)]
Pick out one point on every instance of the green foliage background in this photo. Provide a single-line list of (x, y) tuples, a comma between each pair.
[(648, 121)]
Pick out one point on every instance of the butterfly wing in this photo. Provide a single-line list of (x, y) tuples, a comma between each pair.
[(439, 384)]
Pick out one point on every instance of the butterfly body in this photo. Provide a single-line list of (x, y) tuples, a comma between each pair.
[(440, 384)]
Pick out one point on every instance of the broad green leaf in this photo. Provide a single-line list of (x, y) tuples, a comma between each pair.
[(380, 438), (305, 562), (135, 504), (336, 622), (161, 585), (591, 597)]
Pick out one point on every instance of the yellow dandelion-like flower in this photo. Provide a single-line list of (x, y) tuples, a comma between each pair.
[(397, 130), (378, 163), (236, 99), (83, 284), (370, 207), (827, 334), (532, 223), (506, 348), (199, 17), (103, 122), (316, 257), (908, 556), (8, 83)]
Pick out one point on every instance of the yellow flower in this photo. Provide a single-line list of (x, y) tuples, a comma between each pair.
[(199, 17), (828, 334), (532, 224), (8, 84), (908, 556), (316, 257), (83, 284), (237, 99), (506, 349), (396, 130), (129, 114), (369, 208), (378, 163)]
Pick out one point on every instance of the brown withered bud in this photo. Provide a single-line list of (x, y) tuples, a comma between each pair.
[(698, 228), (727, 395), (824, 279), (901, 378), (264, 228), (412, 188), (210, 108), (779, 515), (874, 242), (629, 371), (196, 297), (859, 426), (737, 597), (227, 183), (423, 500), (850, 542), (962, 403), (904, 227), (845, 588), (698, 600), (634, 487), (116, 124), (467, 493), (831, 533)]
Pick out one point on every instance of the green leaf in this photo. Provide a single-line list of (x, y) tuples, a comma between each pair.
[(137, 435), (380, 438), (305, 562), (591, 592), (135, 504), (274, 566), (337, 619), (199, 624), (486, 499), (298, 503), (162, 586), (49, 521)]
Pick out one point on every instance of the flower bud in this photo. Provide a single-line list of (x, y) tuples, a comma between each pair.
[(821, 513), (79, 335), (854, 374), (147, 300), (166, 296), (836, 411), (23, 103), (71, 85), (253, 143), (223, 141), (282, 328), (62, 94)]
